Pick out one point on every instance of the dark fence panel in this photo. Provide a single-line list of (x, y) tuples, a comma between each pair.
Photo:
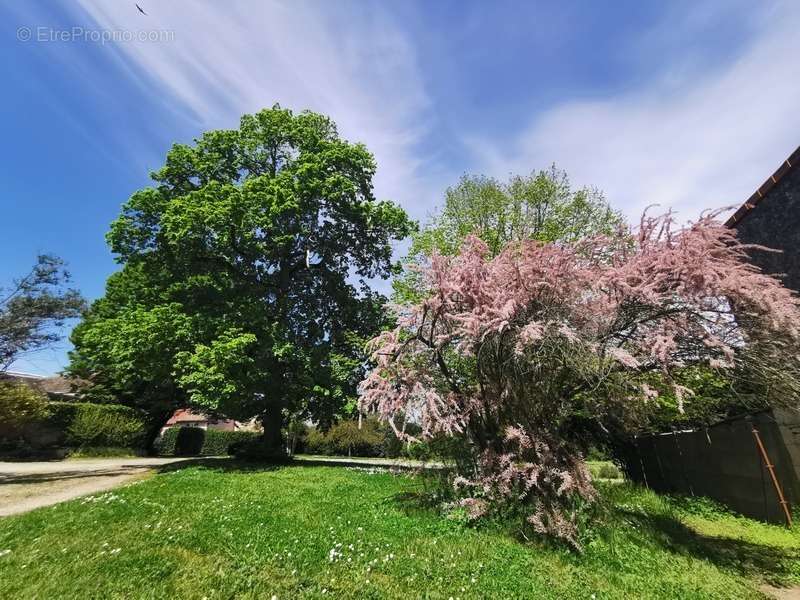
[(723, 462)]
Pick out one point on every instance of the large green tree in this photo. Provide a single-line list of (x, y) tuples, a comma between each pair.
[(245, 273), (541, 206)]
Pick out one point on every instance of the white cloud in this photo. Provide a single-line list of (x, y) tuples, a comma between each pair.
[(349, 62), (705, 142)]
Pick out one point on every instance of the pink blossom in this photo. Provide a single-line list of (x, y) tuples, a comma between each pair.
[(504, 349)]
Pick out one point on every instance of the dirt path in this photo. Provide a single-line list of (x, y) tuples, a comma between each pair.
[(792, 593), (28, 485)]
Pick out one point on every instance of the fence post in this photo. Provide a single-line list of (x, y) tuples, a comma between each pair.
[(683, 464), (771, 469)]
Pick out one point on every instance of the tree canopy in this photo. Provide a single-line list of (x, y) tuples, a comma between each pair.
[(245, 271), (541, 206)]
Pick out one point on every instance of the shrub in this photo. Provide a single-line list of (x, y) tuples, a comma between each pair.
[(392, 446), (85, 424), (316, 442), (604, 470), (257, 448), (508, 348), (20, 404), (610, 471), (105, 425), (296, 432), (104, 452), (346, 438), (378, 439), (193, 441), (441, 447), (190, 441)]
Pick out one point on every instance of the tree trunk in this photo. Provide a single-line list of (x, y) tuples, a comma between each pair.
[(155, 421), (272, 421)]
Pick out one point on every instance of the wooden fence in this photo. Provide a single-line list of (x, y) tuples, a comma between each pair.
[(724, 462)]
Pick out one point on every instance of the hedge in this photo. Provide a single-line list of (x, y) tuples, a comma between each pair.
[(346, 439), (194, 441), (84, 424), (376, 439)]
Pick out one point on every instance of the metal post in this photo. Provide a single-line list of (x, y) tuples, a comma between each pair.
[(771, 468)]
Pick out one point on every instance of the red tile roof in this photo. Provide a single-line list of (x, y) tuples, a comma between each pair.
[(185, 415)]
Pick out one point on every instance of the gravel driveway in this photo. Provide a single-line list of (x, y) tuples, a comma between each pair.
[(28, 485)]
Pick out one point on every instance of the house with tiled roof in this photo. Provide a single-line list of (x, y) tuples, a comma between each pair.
[(56, 387), (186, 417), (771, 217)]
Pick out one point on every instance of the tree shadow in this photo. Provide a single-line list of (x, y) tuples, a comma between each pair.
[(32, 478), (772, 564), (72, 471), (224, 464)]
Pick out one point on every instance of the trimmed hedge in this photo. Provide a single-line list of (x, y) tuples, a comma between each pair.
[(194, 441)]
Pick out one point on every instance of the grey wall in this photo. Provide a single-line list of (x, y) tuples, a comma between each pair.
[(775, 222)]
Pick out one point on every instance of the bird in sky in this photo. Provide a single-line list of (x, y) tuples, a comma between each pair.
[(141, 10)]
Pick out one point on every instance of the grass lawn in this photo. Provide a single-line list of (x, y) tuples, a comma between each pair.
[(318, 532)]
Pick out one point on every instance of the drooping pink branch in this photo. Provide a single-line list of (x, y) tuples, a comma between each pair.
[(511, 341)]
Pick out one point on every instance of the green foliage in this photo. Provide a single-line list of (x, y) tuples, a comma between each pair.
[(346, 439), (244, 279), (34, 308), (542, 206), (334, 394), (128, 354), (20, 404), (222, 374), (257, 449), (392, 446), (714, 397), (244, 531), (604, 469), (296, 432), (452, 449), (377, 439), (104, 452), (194, 441), (87, 424), (316, 442)]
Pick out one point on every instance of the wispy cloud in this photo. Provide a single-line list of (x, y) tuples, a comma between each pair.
[(690, 140), (348, 61)]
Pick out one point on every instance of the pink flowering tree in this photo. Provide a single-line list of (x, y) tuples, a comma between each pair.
[(505, 350)]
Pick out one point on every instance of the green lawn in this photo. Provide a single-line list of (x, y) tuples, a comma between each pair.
[(318, 532)]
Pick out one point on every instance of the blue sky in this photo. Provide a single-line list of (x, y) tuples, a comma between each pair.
[(688, 105)]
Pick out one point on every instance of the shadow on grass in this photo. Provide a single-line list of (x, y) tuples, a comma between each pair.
[(759, 561), (222, 464)]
